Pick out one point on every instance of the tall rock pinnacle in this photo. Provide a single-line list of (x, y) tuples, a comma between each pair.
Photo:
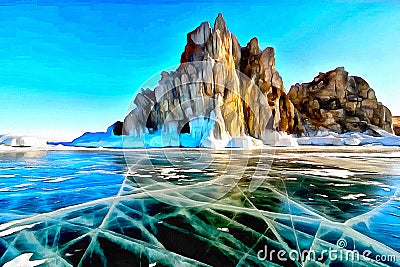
[(236, 90)]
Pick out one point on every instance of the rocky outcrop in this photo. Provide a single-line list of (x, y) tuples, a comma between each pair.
[(220, 91), (226, 95), (396, 125), (340, 102), (117, 128)]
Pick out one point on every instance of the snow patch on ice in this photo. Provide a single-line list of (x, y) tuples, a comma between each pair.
[(22, 141), (23, 260), (16, 229), (246, 142), (353, 196), (326, 138), (285, 140), (331, 173)]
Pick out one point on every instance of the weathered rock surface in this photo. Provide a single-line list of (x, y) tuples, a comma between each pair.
[(396, 125), (220, 91), (340, 102)]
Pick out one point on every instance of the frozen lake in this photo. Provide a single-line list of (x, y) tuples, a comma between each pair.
[(198, 207)]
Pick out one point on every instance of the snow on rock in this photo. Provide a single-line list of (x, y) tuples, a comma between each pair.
[(329, 140), (201, 135), (246, 142), (285, 140), (351, 139)]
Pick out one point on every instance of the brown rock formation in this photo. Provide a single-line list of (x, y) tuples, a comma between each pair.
[(235, 89), (396, 125), (340, 102), (260, 67), (222, 90)]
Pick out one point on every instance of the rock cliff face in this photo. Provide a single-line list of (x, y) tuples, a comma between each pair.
[(340, 102), (223, 94), (220, 91)]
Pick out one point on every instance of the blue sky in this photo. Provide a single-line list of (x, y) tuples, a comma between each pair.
[(72, 66)]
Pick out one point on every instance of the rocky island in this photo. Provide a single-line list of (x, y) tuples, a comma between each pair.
[(225, 95)]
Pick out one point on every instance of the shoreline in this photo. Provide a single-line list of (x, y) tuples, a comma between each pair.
[(278, 149)]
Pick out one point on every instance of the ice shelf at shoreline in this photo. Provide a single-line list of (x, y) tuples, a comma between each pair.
[(205, 139), (193, 140)]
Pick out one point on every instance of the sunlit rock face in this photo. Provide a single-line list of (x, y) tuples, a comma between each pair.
[(278, 112), (396, 125), (340, 102), (220, 91)]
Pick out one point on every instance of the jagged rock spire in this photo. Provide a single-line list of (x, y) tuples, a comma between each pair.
[(235, 89), (220, 23)]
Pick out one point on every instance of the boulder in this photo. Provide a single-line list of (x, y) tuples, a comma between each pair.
[(396, 125), (349, 99)]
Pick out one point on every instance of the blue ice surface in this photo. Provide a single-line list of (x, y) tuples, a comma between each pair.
[(36, 182), (309, 201), (155, 140), (199, 128)]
